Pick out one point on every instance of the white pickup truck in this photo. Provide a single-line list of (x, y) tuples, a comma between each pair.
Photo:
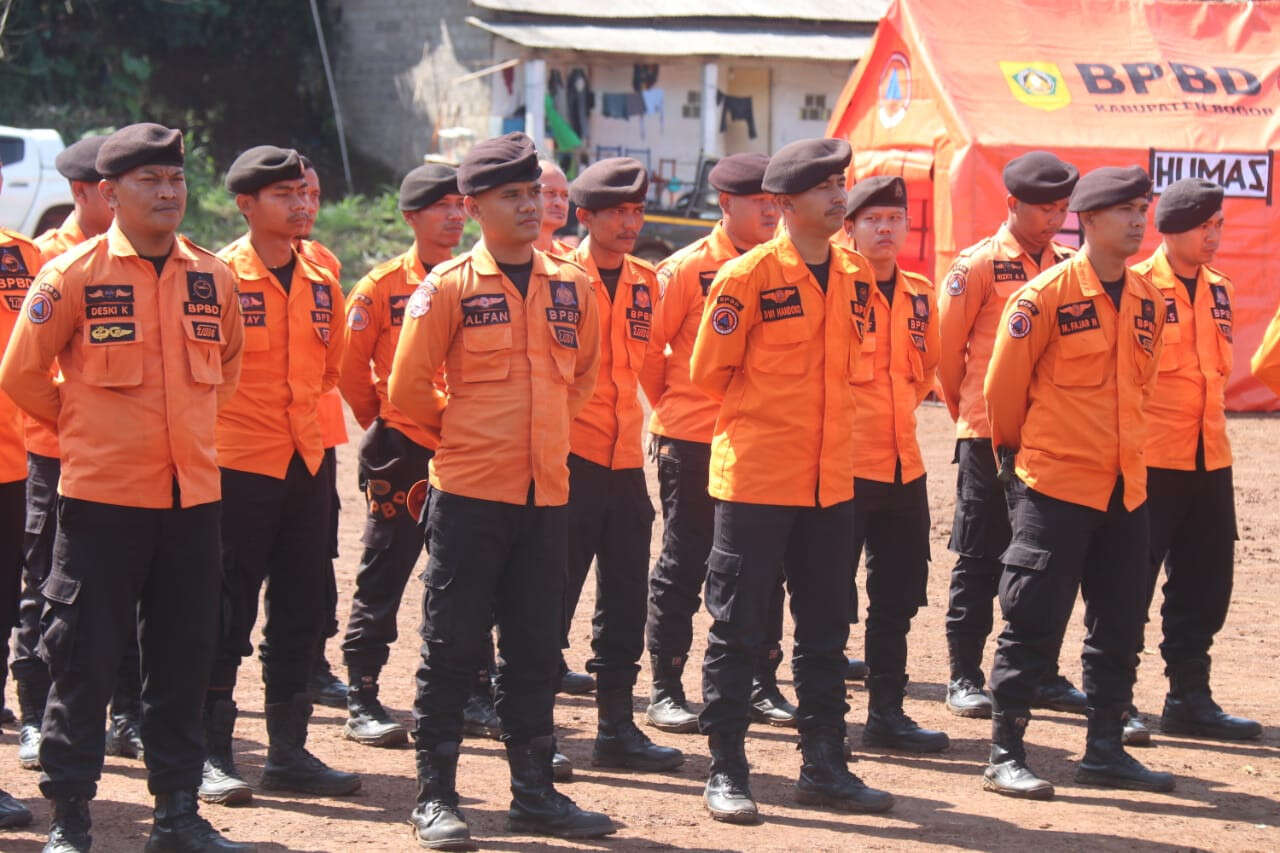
[(35, 197)]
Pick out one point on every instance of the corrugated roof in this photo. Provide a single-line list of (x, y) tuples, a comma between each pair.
[(682, 41), (856, 11)]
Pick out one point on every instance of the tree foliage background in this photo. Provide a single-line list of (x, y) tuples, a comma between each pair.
[(234, 73)]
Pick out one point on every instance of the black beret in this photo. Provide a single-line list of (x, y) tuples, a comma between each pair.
[(876, 191), (805, 163), (77, 162), (426, 185), (1186, 204), (306, 162), (609, 183), (135, 145), (1039, 177), (739, 174), (1109, 186), (262, 166), (497, 161)]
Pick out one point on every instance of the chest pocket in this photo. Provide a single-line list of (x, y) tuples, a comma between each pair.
[(564, 353), (112, 359), (1082, 360), (204, 352), (777, 347), (486, 353), (1171, 354)]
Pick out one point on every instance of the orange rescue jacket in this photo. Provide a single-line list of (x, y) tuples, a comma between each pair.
[(970, 305), (895, 374), (1068, 382), (779, 354), (1190, 396), (375, 315), (1266, 361), (292, 345), (518, 370), (20, 261), (681, 409), (333, 423), (608, 429), (147, 362)]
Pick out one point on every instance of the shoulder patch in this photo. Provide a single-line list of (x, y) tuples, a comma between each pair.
[(958, 278), (1019, 324)]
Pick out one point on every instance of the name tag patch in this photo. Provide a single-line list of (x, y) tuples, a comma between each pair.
[(397, 304), (1008, 271), (253, 305), (485, 309), (780, 304), (1077, 317), (108, 301)]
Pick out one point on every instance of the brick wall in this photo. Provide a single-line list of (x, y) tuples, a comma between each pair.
[(394, 63)]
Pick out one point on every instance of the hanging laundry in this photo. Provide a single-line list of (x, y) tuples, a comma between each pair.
[(559, 128), (580, 101), (509, 80), (737, 109), (614, 105), (643, 77)]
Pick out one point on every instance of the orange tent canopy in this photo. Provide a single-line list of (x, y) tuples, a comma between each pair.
[(949, 92)]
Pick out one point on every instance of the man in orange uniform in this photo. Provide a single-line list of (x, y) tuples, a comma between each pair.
[(610, 517), (778, 346), (270, 451), (1265, 363), (899, 319), (323, 686), (555, 209), (1191, 497), (1073, 366), (395, 451), (91, 217), (517, 333), (146, 329), (969, 307), (19, 262), (682, 424)]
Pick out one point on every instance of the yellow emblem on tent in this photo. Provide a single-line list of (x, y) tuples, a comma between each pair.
[(1037, 84)]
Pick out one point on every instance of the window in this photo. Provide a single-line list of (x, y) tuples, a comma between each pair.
[(815, 108), (12, 149), (692, 107)]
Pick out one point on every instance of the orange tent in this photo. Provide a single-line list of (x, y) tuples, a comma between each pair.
[(948, 92)]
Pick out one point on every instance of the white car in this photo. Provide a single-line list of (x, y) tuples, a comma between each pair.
[(34, 197)]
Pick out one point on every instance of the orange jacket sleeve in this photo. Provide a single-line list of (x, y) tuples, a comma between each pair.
[(1266, 361), (654, 372), (431, 320), (356, 381), (232, 342), (25, 373), (727, 317), (963, 293), (587, 364), (1021, 338), (333, 352), (932, 353)]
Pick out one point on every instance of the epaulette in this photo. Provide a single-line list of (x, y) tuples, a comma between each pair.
[(196, 247), (64, 261), (642, 263), (918, 279), (1217, 273), (385, 268), (452, 263)]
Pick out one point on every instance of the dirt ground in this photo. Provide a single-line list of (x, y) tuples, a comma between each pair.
[(1228, 796)]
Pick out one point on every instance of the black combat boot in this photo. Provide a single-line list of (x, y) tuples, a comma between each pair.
[(1057, 693), (1007, 771), (536, 806), (668, 710), (368, 723), (32, 693), (855, 669), (1189, 708), (888, 727), (13, 814), (437, 821), (289, 766), (178, 828), (479, 717), (728, 791), (561, 766), (124, 735), (575, 683), (69, 827), (965, 696), (323, 687), (1135, 732), (825, 779), (221, 782), (768, 705), (1106, 763), (619, 743)]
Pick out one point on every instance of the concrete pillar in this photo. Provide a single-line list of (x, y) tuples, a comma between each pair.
[(535, 102), (710, 111)]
